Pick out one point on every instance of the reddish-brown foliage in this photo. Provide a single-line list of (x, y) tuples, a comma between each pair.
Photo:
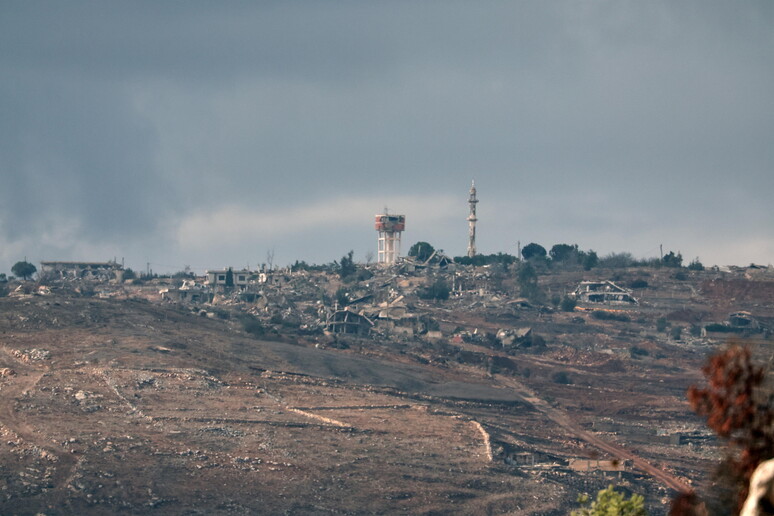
[(687, 504), (734, 407)]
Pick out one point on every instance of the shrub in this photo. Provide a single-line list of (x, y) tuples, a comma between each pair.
[(603, 315), (636, 351), (568, 304), (561, 377), (672, 260), (695, 265), (589, 259), (347, 267), (342, 296), (661, 324), (611, 502), (617, 260), (439, 291), (486, 259), (251, 325), (528, 283), (536, 341), (639, 283)]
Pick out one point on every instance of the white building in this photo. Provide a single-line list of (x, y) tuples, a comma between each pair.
[(218, 277)]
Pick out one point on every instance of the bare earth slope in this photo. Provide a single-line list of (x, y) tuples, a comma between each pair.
[(111, 407)]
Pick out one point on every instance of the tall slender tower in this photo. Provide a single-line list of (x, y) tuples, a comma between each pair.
[(390, 228), (472, 201)]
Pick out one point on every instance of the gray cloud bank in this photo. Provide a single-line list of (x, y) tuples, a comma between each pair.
[(619, 126)]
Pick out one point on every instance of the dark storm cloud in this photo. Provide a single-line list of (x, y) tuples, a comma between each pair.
[(75, 151), (134, 120)]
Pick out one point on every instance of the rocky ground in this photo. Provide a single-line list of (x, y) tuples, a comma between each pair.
[(124, 405)]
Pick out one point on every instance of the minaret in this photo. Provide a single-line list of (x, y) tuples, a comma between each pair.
[(472, 221)]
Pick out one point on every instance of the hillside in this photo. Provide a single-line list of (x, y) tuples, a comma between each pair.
[(125, 404)]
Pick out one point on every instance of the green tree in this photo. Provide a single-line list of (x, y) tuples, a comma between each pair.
[(610, 502), (439, 291), (695, 265), (342, 296), (229, 277), (347, 265), (672, 260), (589, 259), (568, 304), (421, 251), (564, 253), (528, 283), (24, 269), (533, 250)]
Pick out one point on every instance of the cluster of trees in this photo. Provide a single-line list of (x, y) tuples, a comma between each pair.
[(486, 259), (564, 254)]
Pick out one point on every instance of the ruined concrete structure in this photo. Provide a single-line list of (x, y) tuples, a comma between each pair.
[(743, 320), (472, 201), (390, 228), (598, 465), (189, 292), (346, 321), (218, 277), (605, 292), (82, 270)]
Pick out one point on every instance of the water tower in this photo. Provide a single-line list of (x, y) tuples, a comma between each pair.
[(390, 228)]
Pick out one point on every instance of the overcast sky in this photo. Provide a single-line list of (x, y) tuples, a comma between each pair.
[(209, 133)]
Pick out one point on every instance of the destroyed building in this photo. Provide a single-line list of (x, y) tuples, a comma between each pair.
[(347, 321), (218, 277), (102, 271), (743, 320), (603, 292), (188, 292)]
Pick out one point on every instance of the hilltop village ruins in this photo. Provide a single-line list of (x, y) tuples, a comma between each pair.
[(552, 376), (385, 298)]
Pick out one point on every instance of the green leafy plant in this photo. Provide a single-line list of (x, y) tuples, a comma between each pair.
[(610, 502)]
